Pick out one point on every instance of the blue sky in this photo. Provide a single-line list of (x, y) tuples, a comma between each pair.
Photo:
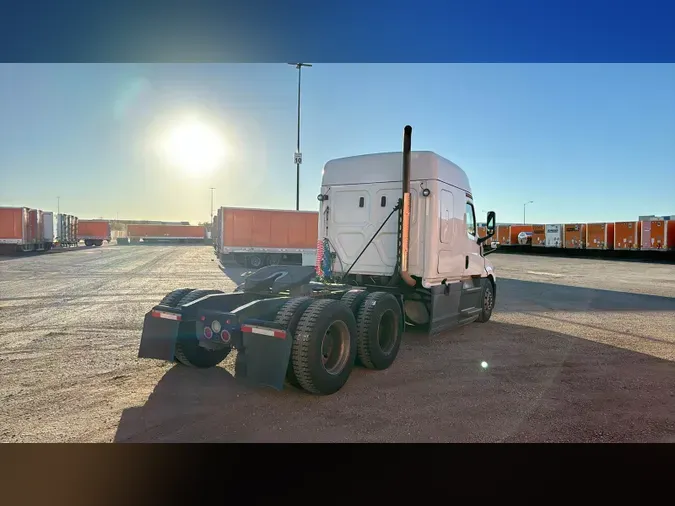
[(589, 142)]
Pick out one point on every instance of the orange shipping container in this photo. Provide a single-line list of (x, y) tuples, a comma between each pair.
[(502, 235), (14, 224), (268, 228), (538, 235), (93, 229), (514, 230), (658, 235), (627, 235), (575, 235), (138, 231), (600, 236)]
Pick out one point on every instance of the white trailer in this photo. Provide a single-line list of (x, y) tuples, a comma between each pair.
[(554, 236), (48, 229)]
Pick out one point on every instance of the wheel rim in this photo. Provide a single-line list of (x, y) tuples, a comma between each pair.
[(335, 347), (274, 260), (387, 331), (487, 300), (255, 262)]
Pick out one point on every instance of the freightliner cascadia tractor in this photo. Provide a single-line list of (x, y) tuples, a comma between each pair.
[(398, 246)]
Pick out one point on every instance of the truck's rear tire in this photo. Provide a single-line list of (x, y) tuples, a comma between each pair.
[(173, 298), (189, 353), (289, 316), (194, 295), (354, 299), (379, 331), (324, 347)]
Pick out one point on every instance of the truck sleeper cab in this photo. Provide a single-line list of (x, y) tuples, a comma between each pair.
[(396, 250), (445, 256)]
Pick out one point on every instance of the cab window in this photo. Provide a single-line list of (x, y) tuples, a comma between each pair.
[(470, 220)]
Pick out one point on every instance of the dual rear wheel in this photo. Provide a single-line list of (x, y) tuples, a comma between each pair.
[(330, 336)]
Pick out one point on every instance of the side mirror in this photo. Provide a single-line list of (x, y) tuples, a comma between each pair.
[(491, 223), (489, 227)]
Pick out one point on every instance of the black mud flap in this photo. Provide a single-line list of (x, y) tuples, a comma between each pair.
[(268, 350), (160, 332)]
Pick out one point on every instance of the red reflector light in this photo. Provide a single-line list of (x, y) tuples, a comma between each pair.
[(203, 318), (225, 336), (279, 334), (208, 333), (166, 316)]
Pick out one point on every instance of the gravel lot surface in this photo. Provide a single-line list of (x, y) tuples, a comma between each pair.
[(577, 351)]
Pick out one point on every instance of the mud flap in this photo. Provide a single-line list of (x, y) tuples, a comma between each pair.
[(268, 351), (159, 337)]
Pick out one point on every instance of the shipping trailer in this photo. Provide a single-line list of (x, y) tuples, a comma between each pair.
[(47, 230), (555, 236), (257, 237), (627, 235), (658, 235), (15, 229), (94, 232), (396, 250), (66, 230), (538, 235), (161, 233), (600, 236), (575, 236)]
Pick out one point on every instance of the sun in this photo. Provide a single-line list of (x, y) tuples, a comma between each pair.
[(193, 146)]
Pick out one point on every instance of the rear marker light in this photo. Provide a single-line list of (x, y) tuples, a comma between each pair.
[(225, 336), (279, 334), (208, 333), (166, 316)]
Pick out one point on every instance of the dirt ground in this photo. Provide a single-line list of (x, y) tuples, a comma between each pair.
[(577, 351)]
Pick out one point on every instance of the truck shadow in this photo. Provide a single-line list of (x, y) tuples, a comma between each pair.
[(519, 296), (495, 382)]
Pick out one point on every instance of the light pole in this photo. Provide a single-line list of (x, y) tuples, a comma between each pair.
[(211, 220), (524, 205), (298, 154), (58, 205)]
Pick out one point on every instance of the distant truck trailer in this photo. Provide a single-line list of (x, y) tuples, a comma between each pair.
[(258, 237), (25, 229), (47, 230), (94, 232), (166, 233), (66, 230)]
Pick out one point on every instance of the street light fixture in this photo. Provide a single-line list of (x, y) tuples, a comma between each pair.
[(524, 205), (211, 220), (298, 154)]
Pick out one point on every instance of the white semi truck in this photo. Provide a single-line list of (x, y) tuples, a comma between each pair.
[(397, 248)]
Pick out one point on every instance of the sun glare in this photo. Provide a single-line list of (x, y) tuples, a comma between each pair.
[(193, 146)]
